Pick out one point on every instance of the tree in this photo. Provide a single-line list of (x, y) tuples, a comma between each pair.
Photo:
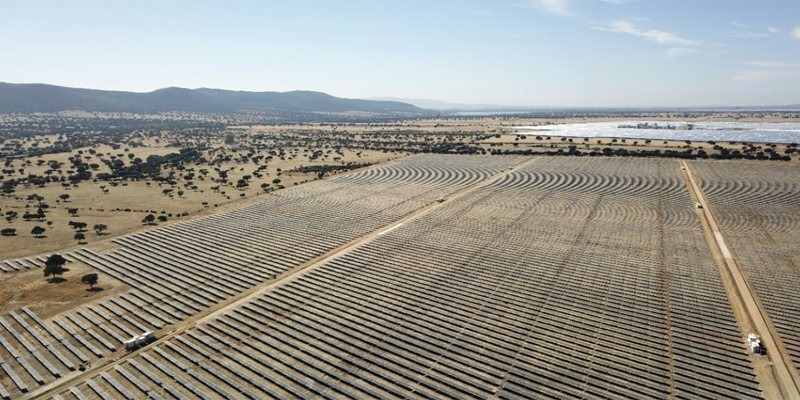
[(180, 193), (37, 231), (162, 218), (54, 265), (99, 228), (72, 211), (8, 232), (64, 197), (80, 237), (89, 279), (149, 219)]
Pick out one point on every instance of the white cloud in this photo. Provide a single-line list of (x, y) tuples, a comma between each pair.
[(751, 35), (766, 74), (769, 70), (771, 64), (557, 7), (679, 51), (796, 33), (653, 35), (750, 31), (478, 12)]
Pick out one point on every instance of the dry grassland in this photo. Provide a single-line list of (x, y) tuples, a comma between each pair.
[(122, 207), (46, 298)]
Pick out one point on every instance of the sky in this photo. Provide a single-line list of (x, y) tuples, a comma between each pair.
[(564, 53)]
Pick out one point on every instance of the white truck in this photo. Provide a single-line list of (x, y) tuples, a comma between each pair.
[(754, 341), (139, 340)]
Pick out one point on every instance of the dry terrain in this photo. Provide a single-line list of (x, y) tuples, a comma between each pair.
[(549, 277), (121, 206), (259, 154), (246, 249)]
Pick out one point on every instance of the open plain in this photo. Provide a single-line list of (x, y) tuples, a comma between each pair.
[(85, 168), (536, 277), (400, 200)]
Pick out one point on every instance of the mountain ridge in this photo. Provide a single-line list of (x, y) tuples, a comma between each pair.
[(438, 105), (433, 104), (38, 97)]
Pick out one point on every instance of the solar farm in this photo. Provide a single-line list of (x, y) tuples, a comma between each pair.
[(548, 277)]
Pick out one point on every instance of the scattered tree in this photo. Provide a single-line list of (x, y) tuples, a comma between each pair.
[(149, 219), (63, 197), (78, 226), (8, 232), (89, 279), (99, 228), (37, 231), (54, 266), (162, 218), (80, 237), (73, 212)]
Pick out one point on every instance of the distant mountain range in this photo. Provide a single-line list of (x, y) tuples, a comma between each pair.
[(30, 98), (462, 107), (444, 106)]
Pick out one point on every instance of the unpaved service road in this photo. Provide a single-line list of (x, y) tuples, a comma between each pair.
[(783, 370)]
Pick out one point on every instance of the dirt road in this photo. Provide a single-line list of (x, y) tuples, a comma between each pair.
[(76, 377), (783, 371)]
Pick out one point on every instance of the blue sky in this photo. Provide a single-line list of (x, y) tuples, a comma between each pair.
[(612, 53)]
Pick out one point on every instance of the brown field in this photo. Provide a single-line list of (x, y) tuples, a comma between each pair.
[(549, 277), (31, 289), (329, 226), (122, 205)]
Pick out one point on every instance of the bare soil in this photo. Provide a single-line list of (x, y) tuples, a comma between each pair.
[(48, 297)]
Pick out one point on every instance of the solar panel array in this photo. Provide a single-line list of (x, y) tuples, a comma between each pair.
[(757, 209), (180, 269), (568, 278)]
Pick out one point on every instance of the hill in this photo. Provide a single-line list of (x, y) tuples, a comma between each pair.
[(445, 106), (30, 98)]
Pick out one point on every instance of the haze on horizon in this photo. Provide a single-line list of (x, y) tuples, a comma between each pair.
[(565, 53)]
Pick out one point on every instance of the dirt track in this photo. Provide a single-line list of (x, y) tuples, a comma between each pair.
[(778, 378), (259, 290), (745, 303)]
